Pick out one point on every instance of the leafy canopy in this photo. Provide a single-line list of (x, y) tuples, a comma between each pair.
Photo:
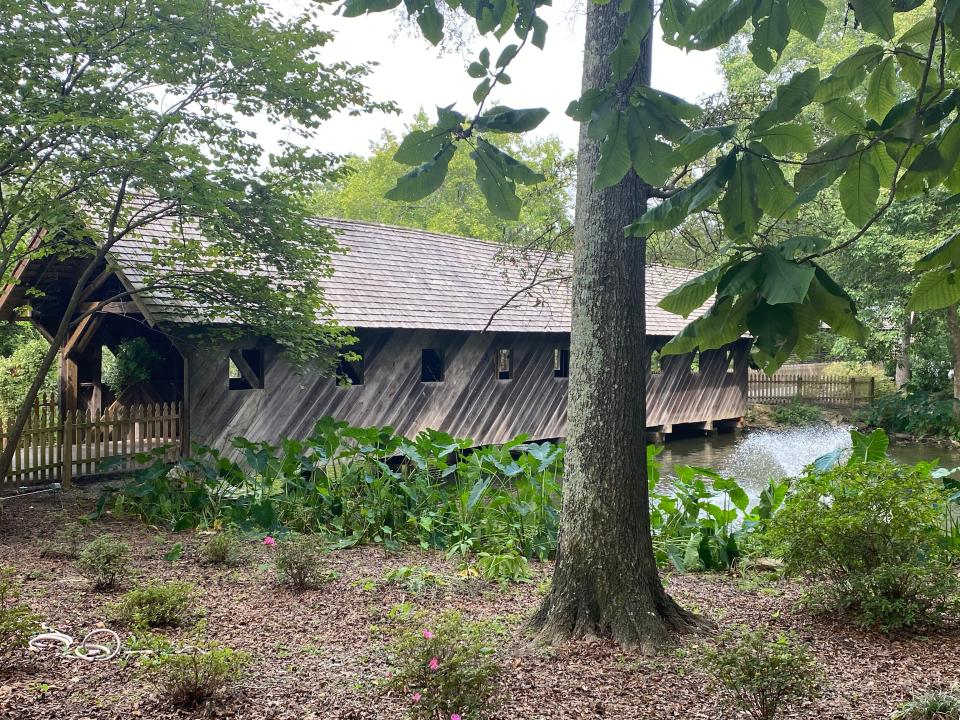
[(890, 131)]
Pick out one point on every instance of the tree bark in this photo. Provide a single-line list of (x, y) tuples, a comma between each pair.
[(606, 582), (903, 371), (953, 326)]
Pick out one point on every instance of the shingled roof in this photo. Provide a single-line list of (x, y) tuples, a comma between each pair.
[(394, 277)]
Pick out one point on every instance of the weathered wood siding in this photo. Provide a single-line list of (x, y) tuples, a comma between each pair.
[(470, 402)]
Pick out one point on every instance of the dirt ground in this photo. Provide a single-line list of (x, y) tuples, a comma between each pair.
[(319, 654)]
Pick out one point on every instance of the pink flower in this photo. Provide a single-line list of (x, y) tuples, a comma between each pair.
[(427, 634), (434, 663), (389, 674), (455, 716), (269, 541), (416, 697)]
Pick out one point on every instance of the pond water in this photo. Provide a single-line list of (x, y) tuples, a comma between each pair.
[(757, 455)]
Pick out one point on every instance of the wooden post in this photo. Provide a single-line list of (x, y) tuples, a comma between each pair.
[(66, 473), (853, 392), (800, 388), (873, 389)]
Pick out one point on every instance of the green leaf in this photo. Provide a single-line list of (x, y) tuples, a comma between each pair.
[(481, 90), (787, 139), (671, 104), (508, 120), (695, 197), (784, 281), (698, 143), (510, 166), (791, 98), (835, 307), (824, 165), (843, 115), (692, 294), (946, 253), (807, 16), (652, 159), (876, 16), (859, 190), (869, 448), (882, 90), (800, 245), (476, 70), (674, 15), (738, 207), (721, 325), (539, 26), (425, 179), (624, 58), (583, 108), (935, 289), (430, 21), (919, 33), (498, 190), (773, 329), (716, 33), (507, 55), (421, 145), (775, 196), (771, 20), (615, 160)]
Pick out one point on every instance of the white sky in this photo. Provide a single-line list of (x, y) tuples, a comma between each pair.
[(411, 73)]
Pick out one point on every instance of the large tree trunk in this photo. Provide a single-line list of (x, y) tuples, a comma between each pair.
[(903, 356), (953, 325), (606, 581)]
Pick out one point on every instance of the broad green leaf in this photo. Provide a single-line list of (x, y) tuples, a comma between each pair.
[(869, 448), (843, 115), (425, 179), (882, 90), (652, 159), (919, 33), (791, 98), (771, 21), (946, 253), (507, 55), (800, 245), (775, 196), (498, 190), (582, 109), (738, 207), (847, 75), (476, 70), (430, 21), (615, 160), (835, 307), (935, 289), (911, 67), (421, 145), (807, 16), (714, 34), (698, 143), (481, 90), (624, 58), (721, 325), (508, 120), (885, 165), (741, 278), (784, 281), (876, 16), (772, 327), (539, 26), (674, 15), (676, 106), (693, 293), (695, 197), (859, 189), (823, 166), (787, 139), (510, 166)]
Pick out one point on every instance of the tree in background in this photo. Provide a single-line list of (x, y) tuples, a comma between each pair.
[(458, 207), (117, 114)]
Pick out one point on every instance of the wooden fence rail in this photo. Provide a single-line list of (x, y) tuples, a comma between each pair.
[(52, 449), (829, 390)]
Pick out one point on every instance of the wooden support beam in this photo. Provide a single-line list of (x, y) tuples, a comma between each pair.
[(82, 334), (125, 307), (246, 371)]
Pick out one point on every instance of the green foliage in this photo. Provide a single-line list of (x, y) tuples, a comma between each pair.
[(159, 604), (930, 705), (759, 674), (67, 542), (105, 562), (191, 677), (502, 567), (132, 363), (299, 563), (17, 621), (870, 534), (797, 413), (918, 413), (17, 371), (447, 667), (705, 519), (413, 578), (223, 548)]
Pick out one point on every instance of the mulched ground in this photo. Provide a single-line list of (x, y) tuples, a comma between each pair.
[(318, 654)]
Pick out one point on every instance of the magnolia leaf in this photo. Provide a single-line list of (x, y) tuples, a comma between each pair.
[(843, 115), (624, 58), (738, 207), (775, 195), (498, 190), (791, 98), (784, 281), (421, 145), (835, 307), (882, 90), (715, 33), (935, 289), (693, 293), (508, 120), (859, 190), (876, 16), (430, 21), (539, 26), (771, 21), (823, 166), (510, 166), (787, 138), (946, 253), (807, 17), (615, 160), (425, 179), (653, 159), (698, 143)]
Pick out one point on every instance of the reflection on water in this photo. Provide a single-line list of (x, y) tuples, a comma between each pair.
[(755, 457)]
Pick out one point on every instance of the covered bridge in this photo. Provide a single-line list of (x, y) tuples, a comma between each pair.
[(448, 339)]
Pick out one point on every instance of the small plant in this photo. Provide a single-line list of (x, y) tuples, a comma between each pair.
[(299, 563), (224, 548), (161, 604), (447, 669), (760, 675), (797, 413), (503, 567), (414, 578), (17, 621), (930, 705), (189, 678), (66, 544), (105, 562)]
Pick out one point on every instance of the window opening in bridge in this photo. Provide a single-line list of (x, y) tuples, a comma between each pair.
[(431, 365), (504, 364), (350, 369), (245, 369), (656, 366), (695, 363), (561, 362)]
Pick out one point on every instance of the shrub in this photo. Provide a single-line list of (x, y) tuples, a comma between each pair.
[(917, 413), (187, 679), (930, 705), (447, 668), (161, 604), (870, 534), (413, 578), (797, 413), (299, 563), (17, 621), (105, 562), (760, 675), (503, 567), (224, 548), (133, 362), (67, 543)]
